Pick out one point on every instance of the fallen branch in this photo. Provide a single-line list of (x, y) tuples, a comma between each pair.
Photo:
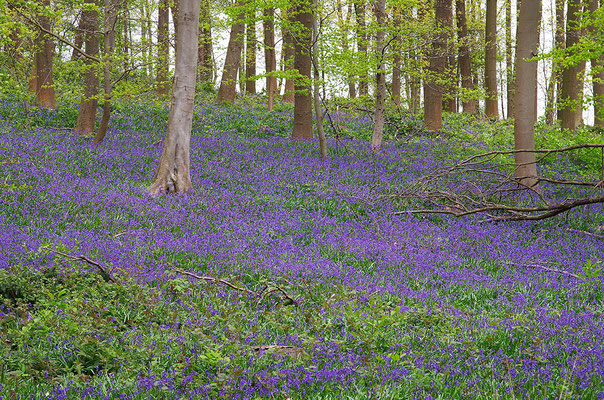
[(215, 280), (543, 267), (103, 271)]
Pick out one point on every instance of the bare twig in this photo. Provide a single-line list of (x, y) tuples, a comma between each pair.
[(211, 279), (543, 267), (102, 270)]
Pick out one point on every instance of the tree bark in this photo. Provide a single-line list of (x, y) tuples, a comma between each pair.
[(87, 112), (597, 75), (316, 79), (491, 104), (228, 83), (465, 64), (45, 91), (78, 40), (289, 52), (173, 173), (343, 25), (524, 100), (509, 59), (380, 78), (433, 90), (359, 9), (205, 71), (250, 56), (108, 44), (163, 49), (270, 58), (302, 63), (450, 103), (572, 82)]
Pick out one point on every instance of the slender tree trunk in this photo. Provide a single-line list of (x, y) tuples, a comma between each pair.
[(205, 71), (343, 25), (572, 80), (126, 35), (87, 112), (145, 41), (316, 79), (597, 65), (173, 173), (450, 103), (108, 46), (491, 105), (78, 40), (433, 90), (414, 83), (359, 9), (380, 77), (509, 59), (554, 88), (174, 7), (465, 64), (302, 63), (250, 56), (163, 49), (524, 110), (45, 91), (228, 83), (289, 52), (270, 58)]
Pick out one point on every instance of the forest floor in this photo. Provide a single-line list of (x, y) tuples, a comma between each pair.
[(310, 284)]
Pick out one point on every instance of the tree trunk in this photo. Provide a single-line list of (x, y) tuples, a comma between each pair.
[(465, 64), (396, 61), (270, 58), (524, 100), (509, 59), (302, 63), (173, 173), (205, 70), (126, 35), (450, 103), (380, 77), (433, 90), (45, 91), (343, 25), (289, 52), (174, 9), (78, 40), (414, 83), (572, 82), (250, 56), (163, 49), (228, 83), (108, 44), (87, 112), (359, 9), (491, 104), (316, 98), (597, 75)]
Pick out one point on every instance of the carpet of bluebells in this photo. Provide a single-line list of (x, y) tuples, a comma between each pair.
[(370, 303)]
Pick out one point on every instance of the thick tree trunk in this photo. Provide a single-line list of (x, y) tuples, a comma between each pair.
[(302, 63), (174, 7), (270, 59), (87, 112), (465, 64), (45, 91), (163, 49), (433, 90), (380, 78), (597, 65), (205, 71), (572, 79), (173, 173), (524, 110), (359, 9), (108, 44), (490, 79), (289, 52), (316, 97), (250, 56), (228, 83)]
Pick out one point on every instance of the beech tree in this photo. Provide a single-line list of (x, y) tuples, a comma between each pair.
[(490, 75), (44, 85), (302, 64), (270, 58), (250, 54), (524, 98), (572, 83), (173, 172), (228, 83), (380, 77), (163, 49), (465, 63)]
